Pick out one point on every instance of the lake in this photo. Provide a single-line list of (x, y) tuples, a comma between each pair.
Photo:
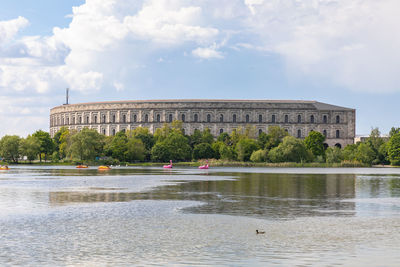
[(189, 217)]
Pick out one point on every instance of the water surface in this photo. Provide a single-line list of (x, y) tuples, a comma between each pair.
[(151, 216)]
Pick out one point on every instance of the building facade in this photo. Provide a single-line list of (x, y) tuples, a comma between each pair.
[(297, 117)]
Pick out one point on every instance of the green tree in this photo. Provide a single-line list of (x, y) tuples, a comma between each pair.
[(290, 150), (349, 152), (10, 148), (393, 149), (117, 148), (262, 139), (394, 131), (315, 143), (333, 155), (57, 138), (275, 136), (195, 138), (216, 147), (259, 156), (245, 148), (175, 147), (145, 136), (365, 154), (86, 145), (135, 150), (46, 143), (203, 151), (207, 137), (227, 152), (30, 147), (225, 138)]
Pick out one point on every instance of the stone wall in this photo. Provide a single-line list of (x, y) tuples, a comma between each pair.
[(297, 117)]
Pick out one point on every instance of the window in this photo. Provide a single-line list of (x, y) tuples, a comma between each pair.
[(337, 119), (113, 118), (104, 131), (208, 118), (104, 118), (286, 118), (260, 118), (312, 118), (95, 119), (221, 118), (73, 120), (135, 118), (234, 118), (67, 120), (196, 118), (62, 121), (273, 118), (221, 131), (124, 118), (87, 119), (325, 119), (158, 118), (170, 118), (337, 134), (123, 130), (113, 131), (298, 118), (183, 117), (80, 119), (259, 131), (299, 133), (325, 133), (247, 118), (146, 118)]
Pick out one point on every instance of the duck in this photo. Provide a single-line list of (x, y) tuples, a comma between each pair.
[(260, 232)]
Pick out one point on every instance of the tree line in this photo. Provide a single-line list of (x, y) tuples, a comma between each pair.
[(171, 143)]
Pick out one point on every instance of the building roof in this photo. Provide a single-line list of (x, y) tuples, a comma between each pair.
[(317, 105)]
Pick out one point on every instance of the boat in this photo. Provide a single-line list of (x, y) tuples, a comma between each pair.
[(104, 168), (204, 166), (4, 168), (168, 166), (82, 166)]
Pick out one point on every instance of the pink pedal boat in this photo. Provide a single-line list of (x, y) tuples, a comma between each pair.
[(168, 166)]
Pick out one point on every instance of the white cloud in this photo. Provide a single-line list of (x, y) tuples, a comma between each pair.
[(207, 52), (352, 43), (9, 28)]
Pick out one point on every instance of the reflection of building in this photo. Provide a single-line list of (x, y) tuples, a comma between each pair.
[(297, 117)]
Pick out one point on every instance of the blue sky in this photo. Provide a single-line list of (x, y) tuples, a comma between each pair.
[(339, 52)]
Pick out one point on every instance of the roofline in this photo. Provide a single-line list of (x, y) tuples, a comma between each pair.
[(201, 101)]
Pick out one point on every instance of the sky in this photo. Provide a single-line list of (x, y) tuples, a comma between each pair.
[(341, 52)]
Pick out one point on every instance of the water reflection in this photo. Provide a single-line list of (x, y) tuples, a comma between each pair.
[(251, 194)]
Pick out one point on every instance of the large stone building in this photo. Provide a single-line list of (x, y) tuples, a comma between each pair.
[(297, 117)]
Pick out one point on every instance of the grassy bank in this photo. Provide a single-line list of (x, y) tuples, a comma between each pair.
[(215, 163)]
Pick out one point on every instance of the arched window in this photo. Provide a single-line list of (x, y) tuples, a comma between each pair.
[(67, 120), (158, 118), (104, 118), (234, 118), (298, 118), (87, 119), (183, 117), (208, 118), (247, 118), (325, 133), (135, 118), (170, 118), (146, 118), (113, 118), (337, 119), (338, 145), (273, 118), (298, 133), (260, 118), (325, 119), (95, 119), (196, 118), (124, 118), (80, 120), (221, 118), (113, 131), (221, 131), (286, 118), (104, 131), (337, 134), (312, 119), (259, 131), (73, 120)]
